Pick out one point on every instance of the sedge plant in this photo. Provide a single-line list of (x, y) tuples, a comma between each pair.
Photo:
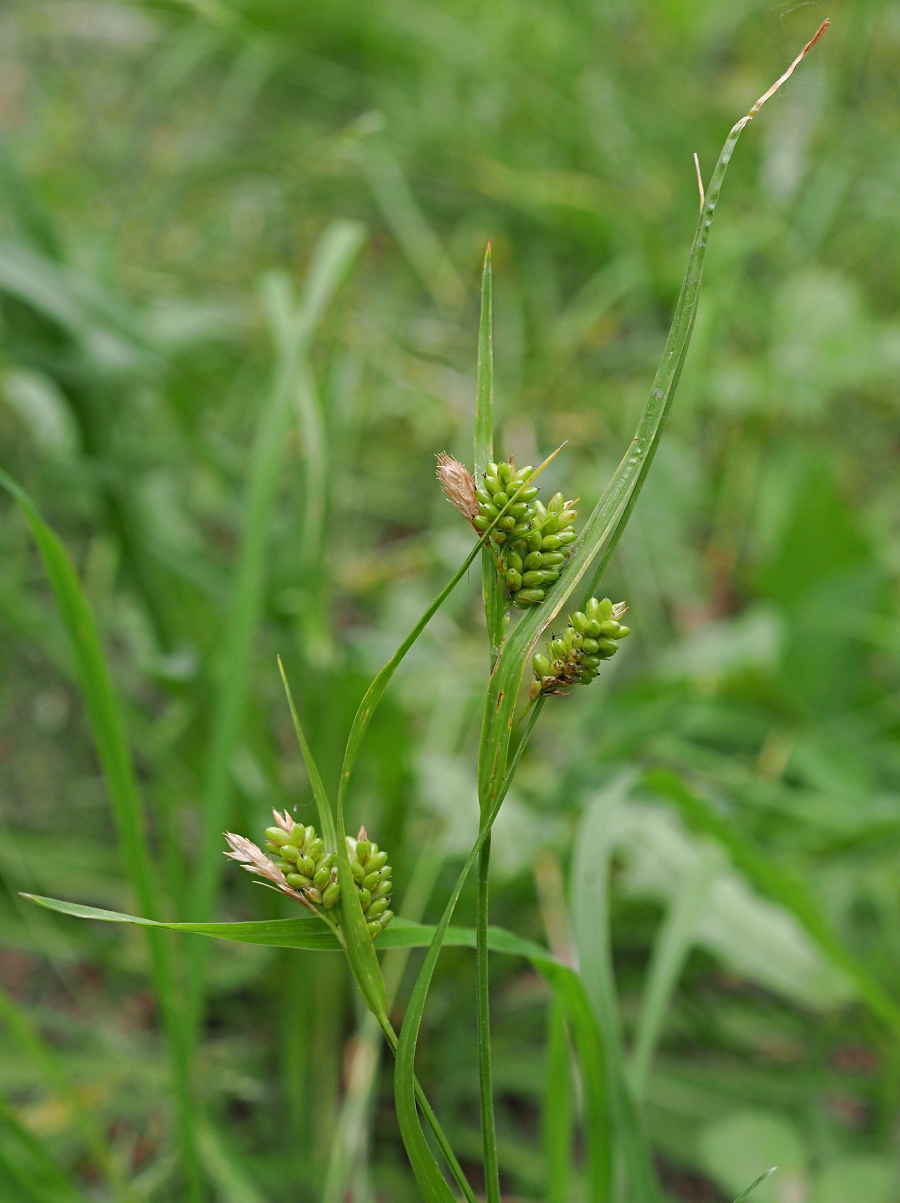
[(537, 564)]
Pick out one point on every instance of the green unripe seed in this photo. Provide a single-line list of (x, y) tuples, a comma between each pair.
[(499, 536), (331, 895), (610, 629), (609, 646), (593, 628), (524, 473), (552, 558), (483, 496), (567, 517), (315, 849), (298, 881), (580, 622), (313, 894), (274, 848), (363, 851), (386, 918), (501, 499), (541, 665), (530, 596), (365, 898), (534, 540), (517, 510), (550, 542), (377, 861), (493, 485), (377, 908), (276, 836), (533, 561), (374, 929), (567, 536), (550, 575), (604, 609), (513, 580), (550, 525), (504, 471), (490, 511), (590, 646), (384, 890), (528, 493), (558, 648), (289, 852), (531, 579), (371, 880), (556, 503), (306, 865), (514, 560), (357, 870), (624, 632), (322, 877), (591, 661), (481, 522), (506, 523)]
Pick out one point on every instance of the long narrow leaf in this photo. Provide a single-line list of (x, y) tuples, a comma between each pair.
[(323, 806), (495, 606), (332, 259), (782, 885), (115, 758), (607, 521), (590, 922), (667, 959)]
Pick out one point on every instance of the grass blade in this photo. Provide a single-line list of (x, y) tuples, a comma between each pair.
[(417, 1149), (292, 331), (496, 619), (495, 606), (608, 520), (753, 1185), (590, 922), (118, 770), (558, 1110), (323, 806), (780, 884), (670, 951)]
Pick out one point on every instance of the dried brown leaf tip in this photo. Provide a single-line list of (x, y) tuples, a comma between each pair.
[(458, 485)]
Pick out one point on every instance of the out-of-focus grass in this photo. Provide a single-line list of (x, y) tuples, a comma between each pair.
[(157, 162)]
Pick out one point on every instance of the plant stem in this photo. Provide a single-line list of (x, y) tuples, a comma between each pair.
[(488, 1127)]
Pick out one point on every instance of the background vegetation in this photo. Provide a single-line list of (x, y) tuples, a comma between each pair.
[(167, 173)]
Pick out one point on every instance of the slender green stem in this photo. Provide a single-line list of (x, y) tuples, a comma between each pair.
[(488, 1126), (432, 1120)]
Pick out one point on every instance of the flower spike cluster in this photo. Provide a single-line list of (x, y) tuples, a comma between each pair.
[(575, 657), (530, 540), (296, 863)]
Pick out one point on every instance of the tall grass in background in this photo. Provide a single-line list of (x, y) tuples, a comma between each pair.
[(729, 793)]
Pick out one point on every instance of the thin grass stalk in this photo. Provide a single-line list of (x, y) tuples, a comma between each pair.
[(496, 619)]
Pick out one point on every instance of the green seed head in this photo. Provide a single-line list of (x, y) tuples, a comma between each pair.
[(574, 657)]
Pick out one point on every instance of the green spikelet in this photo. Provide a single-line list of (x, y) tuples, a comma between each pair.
[(295, 862), (373, 877), (530, 540), (574, 658)]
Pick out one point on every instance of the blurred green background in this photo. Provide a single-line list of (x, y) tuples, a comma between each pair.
[(167, 173)]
